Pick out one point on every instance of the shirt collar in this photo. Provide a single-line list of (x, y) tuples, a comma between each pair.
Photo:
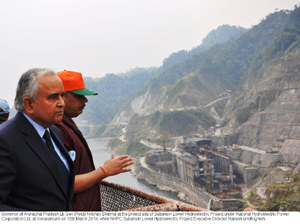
[(39, 128)]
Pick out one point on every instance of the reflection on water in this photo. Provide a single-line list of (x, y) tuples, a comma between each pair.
[(101, 153)]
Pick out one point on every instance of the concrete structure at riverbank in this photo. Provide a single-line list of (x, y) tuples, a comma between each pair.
[(189, 192), (206, 175)]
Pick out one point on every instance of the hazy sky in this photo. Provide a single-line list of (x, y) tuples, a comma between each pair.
[(97, 37)]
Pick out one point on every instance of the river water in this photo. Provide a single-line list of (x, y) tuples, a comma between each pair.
[(101, 153)]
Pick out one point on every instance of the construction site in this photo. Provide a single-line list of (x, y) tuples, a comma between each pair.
[(217, 173), (196, 162)]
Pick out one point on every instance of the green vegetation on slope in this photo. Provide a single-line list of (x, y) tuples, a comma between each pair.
[(131, 147), (228, 63), (283, 45), (220, 35), (172, 123), (114, 91), (280, 196), (185, 122)]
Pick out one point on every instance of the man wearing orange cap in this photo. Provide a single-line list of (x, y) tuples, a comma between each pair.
[(86, 189)]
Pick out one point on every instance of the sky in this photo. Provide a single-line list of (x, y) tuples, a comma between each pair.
[(97, 37)]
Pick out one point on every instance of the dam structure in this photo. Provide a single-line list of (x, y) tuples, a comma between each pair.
[(203, 174)]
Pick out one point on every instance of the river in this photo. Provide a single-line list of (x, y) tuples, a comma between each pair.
[(101, 153)]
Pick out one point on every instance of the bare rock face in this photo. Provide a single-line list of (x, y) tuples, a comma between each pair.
[(275, 125), (143, 104)]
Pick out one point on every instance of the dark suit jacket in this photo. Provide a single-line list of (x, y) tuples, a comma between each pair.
[(29, 177)]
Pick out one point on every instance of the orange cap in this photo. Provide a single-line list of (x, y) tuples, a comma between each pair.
[(73, 82)]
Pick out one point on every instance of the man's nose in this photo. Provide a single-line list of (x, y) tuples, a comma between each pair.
[(85, 100), (61, 102)]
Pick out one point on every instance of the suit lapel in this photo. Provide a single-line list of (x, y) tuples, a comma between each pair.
[(35, 142)]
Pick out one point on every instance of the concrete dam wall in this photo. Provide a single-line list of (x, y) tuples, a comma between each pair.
[(192, 194)]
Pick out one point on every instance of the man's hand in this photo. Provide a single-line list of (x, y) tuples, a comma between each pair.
[(114, 166)]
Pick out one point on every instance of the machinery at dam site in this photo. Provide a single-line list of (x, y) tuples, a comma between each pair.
[(218, 172)]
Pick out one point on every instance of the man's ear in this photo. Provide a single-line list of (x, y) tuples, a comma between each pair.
[(28, 105)]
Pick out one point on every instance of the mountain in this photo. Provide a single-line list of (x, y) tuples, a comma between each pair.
[(264, 112), (114, 90), (250, 86), (117, 89), (184, 89), (220, 35)]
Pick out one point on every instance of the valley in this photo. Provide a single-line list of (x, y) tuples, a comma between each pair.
[(240, 96)]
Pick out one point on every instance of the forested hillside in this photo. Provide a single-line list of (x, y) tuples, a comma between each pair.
[(192, 79), (220, 35), (113, 91), (200, 79), (265, 109), (260, 68), (281, 45), (231, 61), (116, 89)]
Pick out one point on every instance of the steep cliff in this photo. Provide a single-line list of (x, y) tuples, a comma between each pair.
[(265, 111), (273, 107)]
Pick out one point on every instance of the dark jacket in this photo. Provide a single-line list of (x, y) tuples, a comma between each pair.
[(88, 200), (2, 118), (29, 177)]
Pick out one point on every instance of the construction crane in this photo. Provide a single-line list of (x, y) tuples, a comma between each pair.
[(164, 148), (208, 174), (163, 137)]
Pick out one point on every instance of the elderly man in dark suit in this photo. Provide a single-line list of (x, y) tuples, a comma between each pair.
[(36, 171)]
